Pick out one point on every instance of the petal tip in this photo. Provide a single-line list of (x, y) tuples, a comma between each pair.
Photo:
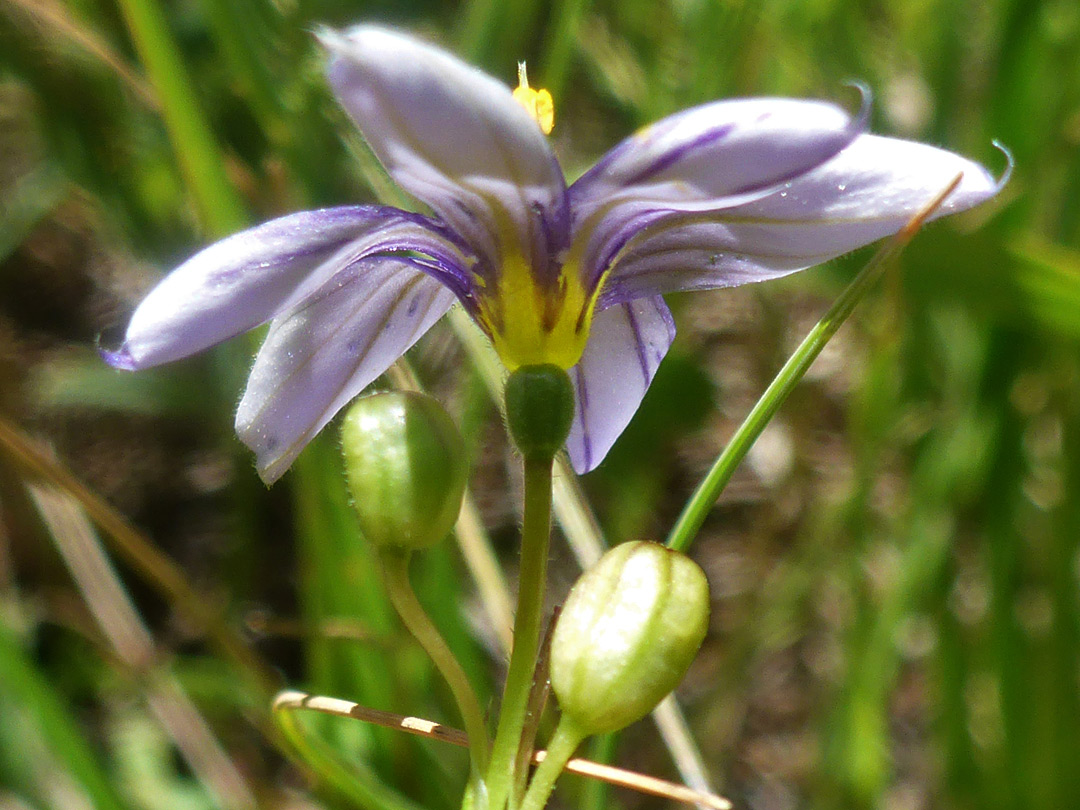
[(582, 464), (339, 45), (269, 474), (329, 38), (363, 36), (119, 358), (1010, 164), (271, 460), (861, 121), (348, 43)]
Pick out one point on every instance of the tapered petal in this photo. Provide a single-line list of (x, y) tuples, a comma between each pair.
[(242, 281), (625, 347), (868, 191), (707, 157), (327, 349), (454, 138)]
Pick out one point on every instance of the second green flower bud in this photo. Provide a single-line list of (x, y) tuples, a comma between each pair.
[(627, 634), (405, 466)]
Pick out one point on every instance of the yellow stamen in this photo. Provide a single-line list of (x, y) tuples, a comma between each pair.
[(537, 103)]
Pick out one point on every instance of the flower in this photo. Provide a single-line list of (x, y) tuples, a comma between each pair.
[(723, 194)]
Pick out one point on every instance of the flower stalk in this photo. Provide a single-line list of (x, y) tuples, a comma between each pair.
[(539, 409), (535, 537), (563, 743), (395, 565)]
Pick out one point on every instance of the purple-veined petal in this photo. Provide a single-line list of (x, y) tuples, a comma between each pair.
[(456, 139), (718, 150), (707, 157), (244, 280), (868, 191), (625, 347), (696, 256), (327, 348)]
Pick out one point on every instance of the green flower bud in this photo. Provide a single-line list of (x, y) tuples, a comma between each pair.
[(627, 634), (539, 409), (406, 469)]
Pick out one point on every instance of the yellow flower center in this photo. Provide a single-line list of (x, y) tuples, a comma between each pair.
[(530, 324), (529, 321)]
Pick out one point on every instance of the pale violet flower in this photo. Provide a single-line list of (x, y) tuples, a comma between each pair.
[(723, 194)]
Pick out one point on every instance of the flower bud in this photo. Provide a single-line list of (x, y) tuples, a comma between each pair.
[(405, 466), (627, 634), (539, 409)]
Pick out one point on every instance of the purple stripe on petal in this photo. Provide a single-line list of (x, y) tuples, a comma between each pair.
[(667, 160), (583, 456), (696, 257), (605, 244), (614, 161), (708, 153), (760, 187), (704, 159), (625, 347), (244, 280), (327, 349), (868, 191)]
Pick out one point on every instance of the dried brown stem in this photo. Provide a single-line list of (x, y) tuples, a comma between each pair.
[(292, 700), (136, 550), (105, 597)]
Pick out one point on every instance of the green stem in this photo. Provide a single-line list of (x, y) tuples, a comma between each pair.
[(708, 491), (535, 534), (396, 571), (562, 746)]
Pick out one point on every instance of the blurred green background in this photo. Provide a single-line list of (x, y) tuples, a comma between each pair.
[(895, 568)]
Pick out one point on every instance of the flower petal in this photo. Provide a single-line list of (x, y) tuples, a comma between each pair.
[(455, 138), (868, 191), (242, 281), (327, 349), (626, 344), (707, 157), (719, 150)]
